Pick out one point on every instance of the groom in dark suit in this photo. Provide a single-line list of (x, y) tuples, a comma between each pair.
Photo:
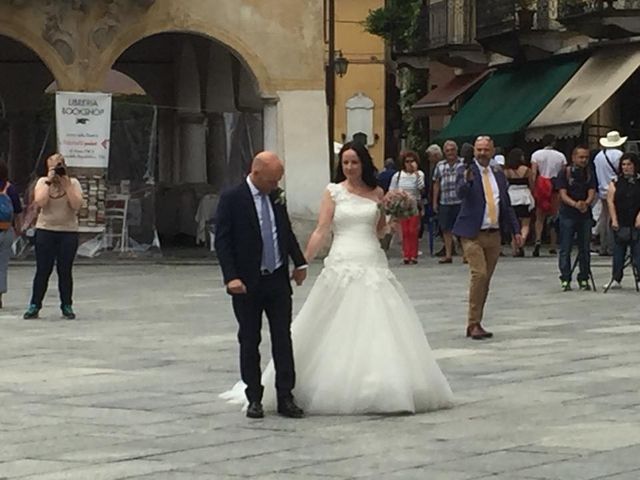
[(486, 209), (254, 241)]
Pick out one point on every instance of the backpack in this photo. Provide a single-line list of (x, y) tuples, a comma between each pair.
[(6, 209)]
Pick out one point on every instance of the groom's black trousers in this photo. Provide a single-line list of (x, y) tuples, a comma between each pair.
[(273, 297)]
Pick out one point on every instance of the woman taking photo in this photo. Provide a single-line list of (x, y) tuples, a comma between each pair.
[(10, 209), (520, 187), (623, 200), (410, 180), (59, 198)]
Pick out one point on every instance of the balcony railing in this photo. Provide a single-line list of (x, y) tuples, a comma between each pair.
[(576, 8), (495, 17), (451, 22)]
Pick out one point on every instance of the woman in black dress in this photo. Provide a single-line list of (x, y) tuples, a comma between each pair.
[(520, 181)]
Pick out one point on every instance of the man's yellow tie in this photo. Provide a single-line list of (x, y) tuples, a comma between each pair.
[(488, 195)]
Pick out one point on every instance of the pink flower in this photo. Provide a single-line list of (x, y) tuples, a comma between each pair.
[(399, 204)]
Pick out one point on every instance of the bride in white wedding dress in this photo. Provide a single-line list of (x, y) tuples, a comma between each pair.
[(358, 344)]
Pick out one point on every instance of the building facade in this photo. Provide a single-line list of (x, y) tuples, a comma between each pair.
[(523, 68), (203, 64), (360, 93)]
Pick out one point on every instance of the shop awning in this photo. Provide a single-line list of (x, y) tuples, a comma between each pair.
[(510, 99), (438, 101), (596, 81)]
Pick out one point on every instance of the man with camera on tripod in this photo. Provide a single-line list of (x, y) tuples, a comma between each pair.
[(577, 187)]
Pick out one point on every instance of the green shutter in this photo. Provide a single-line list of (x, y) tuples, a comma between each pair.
[(510, 100)]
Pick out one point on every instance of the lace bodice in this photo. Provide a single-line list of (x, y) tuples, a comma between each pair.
[(354, 230)]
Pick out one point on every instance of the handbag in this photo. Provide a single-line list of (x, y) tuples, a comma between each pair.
[(623, 235)]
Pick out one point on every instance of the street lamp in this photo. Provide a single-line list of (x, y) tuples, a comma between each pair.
[(340, 64)]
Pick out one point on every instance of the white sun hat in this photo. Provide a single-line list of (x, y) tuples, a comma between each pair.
[(612, 140)]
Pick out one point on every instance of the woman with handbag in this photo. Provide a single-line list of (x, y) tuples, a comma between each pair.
[(623, 200), (410, 180)]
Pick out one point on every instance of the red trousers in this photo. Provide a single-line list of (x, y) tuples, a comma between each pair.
[(410, 230)]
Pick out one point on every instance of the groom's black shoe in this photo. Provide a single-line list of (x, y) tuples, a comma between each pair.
[(254, 410), (288, 408)]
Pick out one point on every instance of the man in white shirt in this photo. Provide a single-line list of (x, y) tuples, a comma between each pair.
[(606, 164), (546, 164)]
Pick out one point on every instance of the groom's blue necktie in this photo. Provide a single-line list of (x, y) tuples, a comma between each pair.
[(266, 230)]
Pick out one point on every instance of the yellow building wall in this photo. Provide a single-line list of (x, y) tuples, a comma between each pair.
[(366, 73)]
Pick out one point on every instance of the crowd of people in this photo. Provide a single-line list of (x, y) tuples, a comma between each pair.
[(589, 200)]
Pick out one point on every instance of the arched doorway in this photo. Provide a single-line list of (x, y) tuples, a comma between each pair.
[(208, 125), (25, 113)]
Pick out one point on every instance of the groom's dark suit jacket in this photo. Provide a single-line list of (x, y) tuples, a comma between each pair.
[(238, 242)]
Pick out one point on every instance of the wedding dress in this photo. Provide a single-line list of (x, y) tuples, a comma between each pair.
[(358, 344)]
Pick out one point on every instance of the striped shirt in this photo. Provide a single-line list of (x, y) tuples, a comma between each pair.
[(412, 183)]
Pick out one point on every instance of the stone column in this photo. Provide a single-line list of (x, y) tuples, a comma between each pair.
[(165, 145), (302, 144), (220, 98), (216, 150), (193, 151), (270, 124), (191, 164)]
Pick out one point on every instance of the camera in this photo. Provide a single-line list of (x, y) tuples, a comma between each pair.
[(60, 169)]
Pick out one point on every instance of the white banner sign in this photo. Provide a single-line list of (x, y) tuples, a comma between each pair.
[(83, 122)]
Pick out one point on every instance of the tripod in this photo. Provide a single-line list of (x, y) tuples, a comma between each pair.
[(575, 264), (636, 275)]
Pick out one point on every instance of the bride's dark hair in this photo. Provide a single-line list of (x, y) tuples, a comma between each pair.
[(368, 170)]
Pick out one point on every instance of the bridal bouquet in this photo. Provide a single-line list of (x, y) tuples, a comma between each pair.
[(399, 204)]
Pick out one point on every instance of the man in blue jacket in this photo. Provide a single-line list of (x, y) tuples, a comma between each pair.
[(485, 209)]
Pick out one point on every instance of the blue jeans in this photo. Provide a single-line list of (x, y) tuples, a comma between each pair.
[(59, 249), (569, 228), (620, 252)]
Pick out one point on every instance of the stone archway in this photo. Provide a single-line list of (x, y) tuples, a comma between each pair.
[(209, 118), (195, 81), (211, 33), (22, 120)]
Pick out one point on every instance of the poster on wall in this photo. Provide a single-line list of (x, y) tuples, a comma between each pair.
[(83, 122)]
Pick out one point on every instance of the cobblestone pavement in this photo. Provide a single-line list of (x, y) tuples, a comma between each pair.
[(130, 389)]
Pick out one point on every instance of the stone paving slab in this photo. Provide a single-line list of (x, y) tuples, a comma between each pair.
[(129, 391)]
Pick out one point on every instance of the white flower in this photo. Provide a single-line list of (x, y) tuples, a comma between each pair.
[(281, 198)]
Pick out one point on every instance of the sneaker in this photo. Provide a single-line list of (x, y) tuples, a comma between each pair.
[(536, 250), (566, 286), (67, 312), (613, 285), (584, 285), (31, 313), (552, 251)]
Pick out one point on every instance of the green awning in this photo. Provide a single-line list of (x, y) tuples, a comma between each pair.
[(510, 100)]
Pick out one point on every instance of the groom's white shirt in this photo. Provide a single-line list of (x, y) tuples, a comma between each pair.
[(257, 201)]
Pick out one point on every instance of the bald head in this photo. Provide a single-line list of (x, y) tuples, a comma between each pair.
[(483, 150), (266, 171)]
